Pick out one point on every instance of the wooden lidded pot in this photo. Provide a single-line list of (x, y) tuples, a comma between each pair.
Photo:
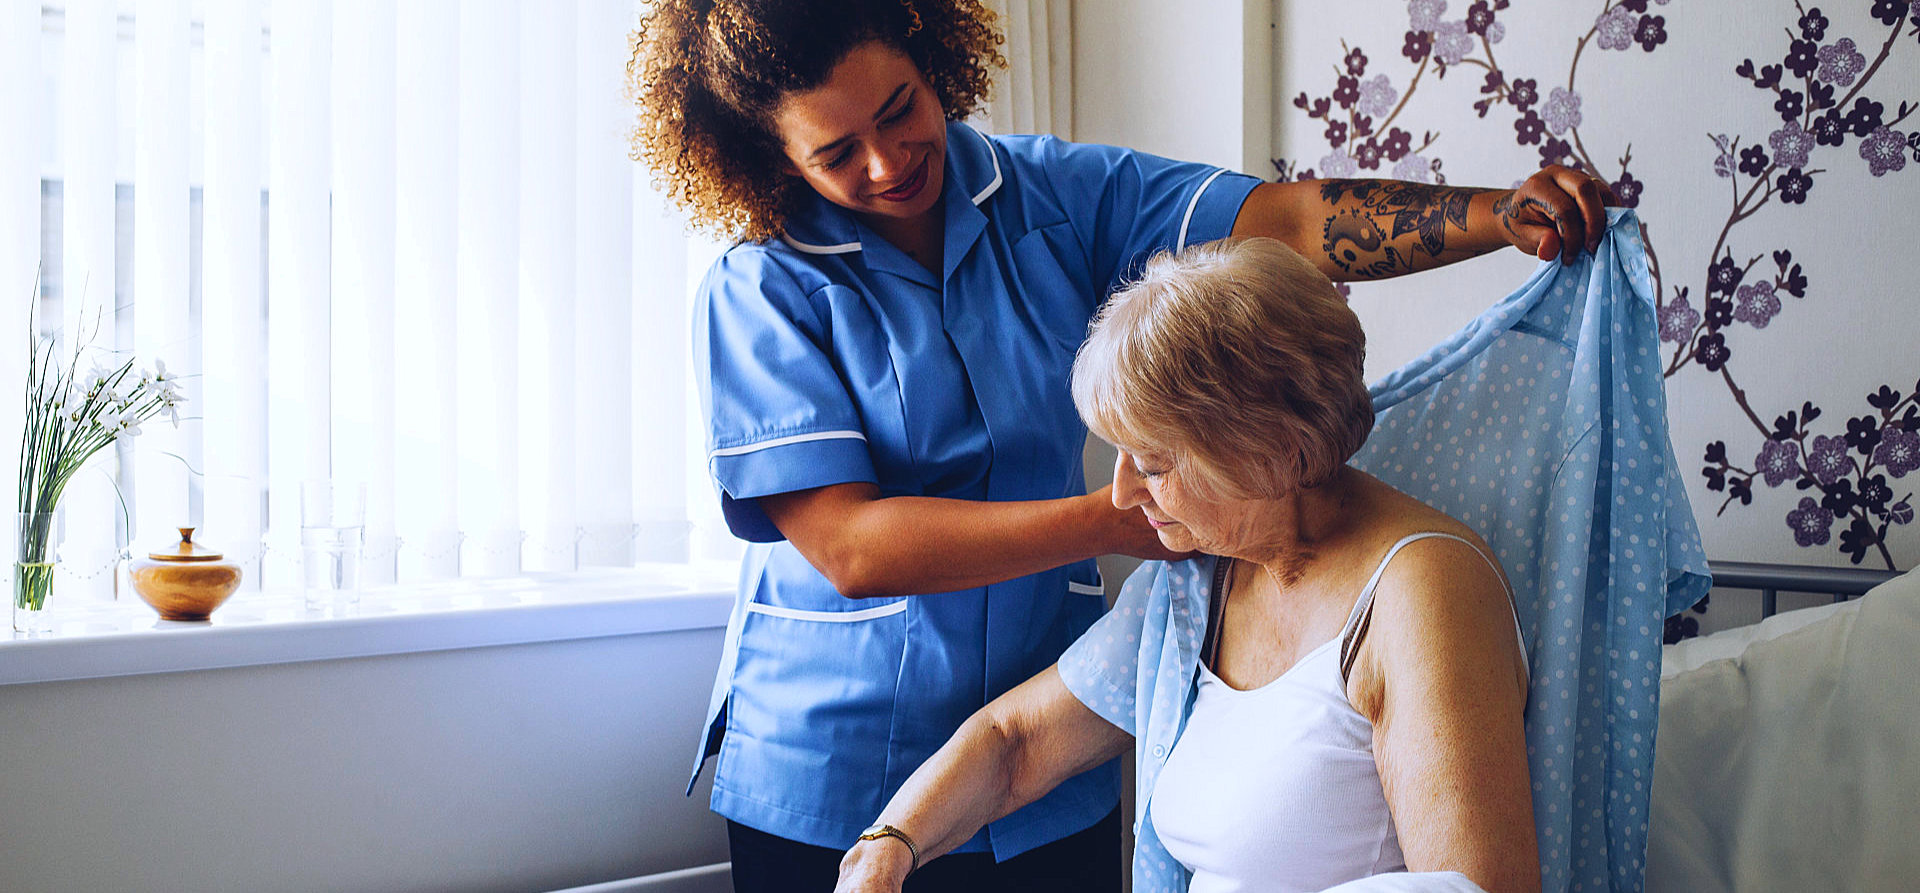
[(186, 582)]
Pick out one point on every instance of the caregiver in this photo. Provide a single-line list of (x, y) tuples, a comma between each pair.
[(883, 359)]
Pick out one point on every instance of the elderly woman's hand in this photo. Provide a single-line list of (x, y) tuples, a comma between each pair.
[(1558, 210), (874, 866)]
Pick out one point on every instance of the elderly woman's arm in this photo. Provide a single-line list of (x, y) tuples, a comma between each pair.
[(1442, 677), (1005, 756)]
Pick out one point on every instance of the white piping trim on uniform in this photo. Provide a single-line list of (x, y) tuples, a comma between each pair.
[(783, 441), (1181, 244), (1078, 588), (810, 248), (886, 610), (994, 186)]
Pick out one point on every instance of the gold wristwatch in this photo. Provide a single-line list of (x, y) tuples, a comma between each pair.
[(880, 829)]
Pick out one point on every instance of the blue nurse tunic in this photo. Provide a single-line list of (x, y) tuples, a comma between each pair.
[(830, 357)]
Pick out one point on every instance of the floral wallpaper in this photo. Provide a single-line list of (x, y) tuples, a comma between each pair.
[(1768, 147)]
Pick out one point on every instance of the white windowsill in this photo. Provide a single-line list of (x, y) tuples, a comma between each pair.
[(255, 628)]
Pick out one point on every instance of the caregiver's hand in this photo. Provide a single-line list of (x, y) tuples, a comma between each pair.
[(1558, 210), (874, 866), (1130, 534)]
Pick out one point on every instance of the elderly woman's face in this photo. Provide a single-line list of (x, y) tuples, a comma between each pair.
[(1185, 522)]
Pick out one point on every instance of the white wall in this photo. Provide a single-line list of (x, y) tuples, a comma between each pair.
[(1186, 80), (518, 768)]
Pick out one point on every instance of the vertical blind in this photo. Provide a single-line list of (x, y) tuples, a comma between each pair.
[(398, 244)]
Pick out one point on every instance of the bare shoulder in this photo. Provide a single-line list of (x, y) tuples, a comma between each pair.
[(1441, 612)]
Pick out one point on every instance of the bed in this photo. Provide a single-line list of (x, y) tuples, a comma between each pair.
[(1788, 752)]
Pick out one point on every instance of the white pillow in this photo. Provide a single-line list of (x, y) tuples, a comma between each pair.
[(1788, 755)]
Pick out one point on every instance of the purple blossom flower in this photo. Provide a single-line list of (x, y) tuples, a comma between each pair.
[(1479, 16), (1884, 150), (1356, 62), (1424, 15), (1337, 165), (1791, 145), (1829, 462), (1397, 144), (1875, 492), (1778, 462), (1756, 304), (1830, 129), (1890, 11), (1840, 63), (1865, 116), (1813, 25), (1899, 450), (1528, 127), (1415, 168), (1789, 105), (1811, 524), (1554, 151), (1711, 351), (1562, 110), (1753, 161), (1367, 154), (1719, 314), (1524, 93), (1651, 32), (1418, 45), (1678, 320), (1724, 275), (1801, 59), (1864, 434), (1616, 27), (1794, 186), (1627, 190), (1377, 96), (1451, 42), (1336, 133), (1346, 91)]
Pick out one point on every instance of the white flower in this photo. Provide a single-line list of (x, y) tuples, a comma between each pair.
[(160, 375), (129, 424)]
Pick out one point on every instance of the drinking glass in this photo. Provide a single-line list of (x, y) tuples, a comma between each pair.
[(333, 519)]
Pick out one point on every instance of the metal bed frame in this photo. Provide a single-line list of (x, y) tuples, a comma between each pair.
[(1772, 579)]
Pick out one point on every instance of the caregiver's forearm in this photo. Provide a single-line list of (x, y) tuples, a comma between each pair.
[(868, 545), (1375, 229)]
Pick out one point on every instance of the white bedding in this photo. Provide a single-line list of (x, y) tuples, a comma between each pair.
[(1788, 754)]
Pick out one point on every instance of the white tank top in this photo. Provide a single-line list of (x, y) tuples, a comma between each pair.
[(1275, 788)]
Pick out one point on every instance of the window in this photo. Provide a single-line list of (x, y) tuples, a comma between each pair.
[(400, 246)]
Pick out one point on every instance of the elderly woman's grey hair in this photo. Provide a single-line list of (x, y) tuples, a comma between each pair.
[(1235, 359)]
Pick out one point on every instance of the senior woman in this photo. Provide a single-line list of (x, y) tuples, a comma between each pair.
[(1329, 692)]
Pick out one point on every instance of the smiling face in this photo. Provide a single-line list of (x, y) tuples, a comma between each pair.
[(872, 139), (1185, 520)]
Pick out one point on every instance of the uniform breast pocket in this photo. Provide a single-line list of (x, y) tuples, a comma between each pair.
[(808, 678)]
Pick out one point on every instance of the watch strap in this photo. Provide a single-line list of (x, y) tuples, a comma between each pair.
[(881, 829)]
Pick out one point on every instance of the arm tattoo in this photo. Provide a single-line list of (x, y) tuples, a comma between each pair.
[(1363, 236)]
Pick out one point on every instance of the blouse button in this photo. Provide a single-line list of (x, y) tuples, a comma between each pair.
[(1159, 752)]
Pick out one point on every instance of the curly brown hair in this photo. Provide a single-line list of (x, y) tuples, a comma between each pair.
[(707, 76)]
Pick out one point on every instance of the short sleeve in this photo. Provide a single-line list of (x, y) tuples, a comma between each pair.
[(1125, 205), (779, 417), (1102, 667)]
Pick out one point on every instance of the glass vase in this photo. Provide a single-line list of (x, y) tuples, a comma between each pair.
[(33, 566)]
